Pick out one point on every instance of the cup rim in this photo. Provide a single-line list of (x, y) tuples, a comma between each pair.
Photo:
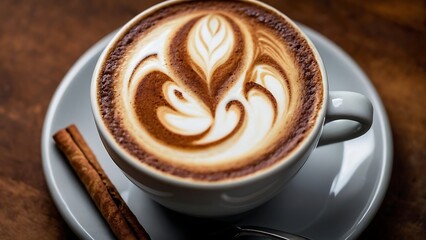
[(294, 156)]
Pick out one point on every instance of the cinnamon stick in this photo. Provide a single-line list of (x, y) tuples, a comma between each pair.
[(120, 218)]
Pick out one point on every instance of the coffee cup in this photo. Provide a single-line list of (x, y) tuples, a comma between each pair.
[(211, 107)]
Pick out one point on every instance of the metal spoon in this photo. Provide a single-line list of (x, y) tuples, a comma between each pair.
[(235, 232)]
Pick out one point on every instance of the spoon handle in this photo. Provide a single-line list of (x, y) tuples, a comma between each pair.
[(235, 232), (268, 233)]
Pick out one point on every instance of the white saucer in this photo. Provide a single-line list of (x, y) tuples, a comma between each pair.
[(334, 196)]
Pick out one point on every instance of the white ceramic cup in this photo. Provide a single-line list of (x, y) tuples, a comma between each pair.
[(346, 114)]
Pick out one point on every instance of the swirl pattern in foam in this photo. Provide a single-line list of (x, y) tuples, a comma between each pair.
[(210, 93)]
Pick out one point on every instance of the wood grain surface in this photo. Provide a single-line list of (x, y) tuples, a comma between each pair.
[(40, 40)]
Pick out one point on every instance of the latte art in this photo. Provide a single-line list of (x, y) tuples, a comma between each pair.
[(207, 93), (210, 43)]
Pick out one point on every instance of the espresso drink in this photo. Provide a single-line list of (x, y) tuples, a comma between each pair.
[(210, 90)]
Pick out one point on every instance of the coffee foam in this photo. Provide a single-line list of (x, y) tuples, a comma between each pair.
[(208, 92)]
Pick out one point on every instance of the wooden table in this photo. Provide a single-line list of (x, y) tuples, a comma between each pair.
[(40, 40)]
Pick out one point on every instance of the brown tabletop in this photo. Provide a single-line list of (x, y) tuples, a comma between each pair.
[(40, 40)]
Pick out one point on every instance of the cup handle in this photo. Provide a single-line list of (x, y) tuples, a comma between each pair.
[(349, 115)]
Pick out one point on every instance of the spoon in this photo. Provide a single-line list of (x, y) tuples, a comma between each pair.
[(235, 232)]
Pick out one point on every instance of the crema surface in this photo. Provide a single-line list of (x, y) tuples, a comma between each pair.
[(210, 90)]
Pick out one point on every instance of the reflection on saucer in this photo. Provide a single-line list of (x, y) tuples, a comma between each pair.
[(357, 152)]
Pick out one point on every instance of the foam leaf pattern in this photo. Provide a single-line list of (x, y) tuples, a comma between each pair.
[(210, 43)]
